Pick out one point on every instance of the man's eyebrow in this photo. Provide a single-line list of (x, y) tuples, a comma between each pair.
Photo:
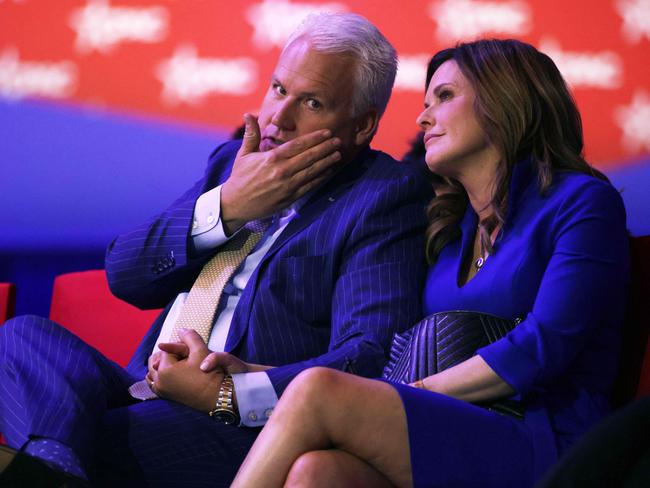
[(304, 94), (312, 95)]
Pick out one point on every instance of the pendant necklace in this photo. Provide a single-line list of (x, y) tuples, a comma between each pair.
[(480, 261)]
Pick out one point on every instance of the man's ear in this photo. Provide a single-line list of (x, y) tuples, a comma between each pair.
[(366, 126)]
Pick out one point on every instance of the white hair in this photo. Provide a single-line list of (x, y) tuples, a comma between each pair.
[(354, 35)]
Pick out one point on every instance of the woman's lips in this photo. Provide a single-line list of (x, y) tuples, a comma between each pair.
[(429, 137)]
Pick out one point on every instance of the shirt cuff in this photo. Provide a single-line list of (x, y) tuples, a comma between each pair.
[(207, 228), (256, 397)]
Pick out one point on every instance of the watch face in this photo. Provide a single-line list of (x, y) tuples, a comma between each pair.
[(225, 416)]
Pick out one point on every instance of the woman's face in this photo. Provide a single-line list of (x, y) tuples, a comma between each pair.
[(454, 141)]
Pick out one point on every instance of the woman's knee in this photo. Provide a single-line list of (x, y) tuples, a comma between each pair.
[(331, 467), (313, 470), (314, 384)]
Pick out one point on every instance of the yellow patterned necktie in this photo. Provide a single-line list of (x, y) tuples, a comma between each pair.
[(203, 299), (204, 296)]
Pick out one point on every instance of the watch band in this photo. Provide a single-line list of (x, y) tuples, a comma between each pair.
[(224, 409)]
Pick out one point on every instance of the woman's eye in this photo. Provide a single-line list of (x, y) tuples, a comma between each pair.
[(445, 95), (314, 104)]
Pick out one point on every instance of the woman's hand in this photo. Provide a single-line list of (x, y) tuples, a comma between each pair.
[(472, 380), (419, 384)]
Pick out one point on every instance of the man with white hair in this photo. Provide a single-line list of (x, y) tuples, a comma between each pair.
[(299, 247)]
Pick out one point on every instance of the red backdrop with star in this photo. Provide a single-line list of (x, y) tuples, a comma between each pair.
[(208, 61)]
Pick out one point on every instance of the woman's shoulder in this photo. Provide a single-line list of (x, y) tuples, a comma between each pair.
[(571, 186), (576, 195)]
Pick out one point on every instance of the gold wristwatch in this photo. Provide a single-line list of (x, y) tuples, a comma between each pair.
[(225, 410)]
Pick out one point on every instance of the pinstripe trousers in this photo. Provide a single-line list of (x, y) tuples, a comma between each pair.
[(53, 385)]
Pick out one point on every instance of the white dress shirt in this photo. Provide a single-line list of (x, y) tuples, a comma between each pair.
[(256, 396)]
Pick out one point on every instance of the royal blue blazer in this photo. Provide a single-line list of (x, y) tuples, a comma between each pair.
[(561, 264)]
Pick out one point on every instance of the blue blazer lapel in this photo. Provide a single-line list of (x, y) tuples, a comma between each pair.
[(313, 208)]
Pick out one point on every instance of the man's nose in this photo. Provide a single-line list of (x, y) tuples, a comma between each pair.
[(284, 116)]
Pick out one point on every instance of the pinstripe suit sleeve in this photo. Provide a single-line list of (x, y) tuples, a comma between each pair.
[(380, 277), (151, 264)]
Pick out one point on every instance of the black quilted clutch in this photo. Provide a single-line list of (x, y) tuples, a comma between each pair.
[(443, 340)]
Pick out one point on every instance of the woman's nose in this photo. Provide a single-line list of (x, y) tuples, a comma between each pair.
[(424, 119)]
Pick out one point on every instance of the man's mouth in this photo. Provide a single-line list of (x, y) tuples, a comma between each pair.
[(269, 143)]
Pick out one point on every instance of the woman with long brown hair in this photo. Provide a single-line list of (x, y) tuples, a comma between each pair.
[(523, 228)]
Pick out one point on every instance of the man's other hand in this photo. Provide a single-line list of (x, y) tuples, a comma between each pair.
[(262, 183), (152, 366), (179, 376), (227, 363)]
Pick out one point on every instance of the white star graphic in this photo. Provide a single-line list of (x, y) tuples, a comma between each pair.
[(274, 20), (634, 121), (636, 19), (189, 78), (412, 72)]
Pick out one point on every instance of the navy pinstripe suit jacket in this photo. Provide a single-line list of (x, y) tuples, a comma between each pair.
[(345, 274)]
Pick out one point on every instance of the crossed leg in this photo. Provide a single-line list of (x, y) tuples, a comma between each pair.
[(332, 429), (333, 467)]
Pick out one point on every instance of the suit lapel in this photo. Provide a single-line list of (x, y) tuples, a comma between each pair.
[(315, 207)]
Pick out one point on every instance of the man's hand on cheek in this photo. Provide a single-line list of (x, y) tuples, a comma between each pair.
[(180, 378), (262, 183)]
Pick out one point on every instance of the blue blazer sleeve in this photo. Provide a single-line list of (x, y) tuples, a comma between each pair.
[(582, 292), (378, 288)]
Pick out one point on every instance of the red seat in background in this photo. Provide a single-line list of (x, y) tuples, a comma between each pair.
[(7, 301), (7, 307), (83, 304)]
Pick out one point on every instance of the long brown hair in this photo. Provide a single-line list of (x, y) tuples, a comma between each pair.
[(526, 111)]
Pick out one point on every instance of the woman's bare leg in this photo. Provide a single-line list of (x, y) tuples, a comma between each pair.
[(324, 469), (325, 409)]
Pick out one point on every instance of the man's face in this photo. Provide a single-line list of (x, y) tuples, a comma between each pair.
[(309, 91)]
